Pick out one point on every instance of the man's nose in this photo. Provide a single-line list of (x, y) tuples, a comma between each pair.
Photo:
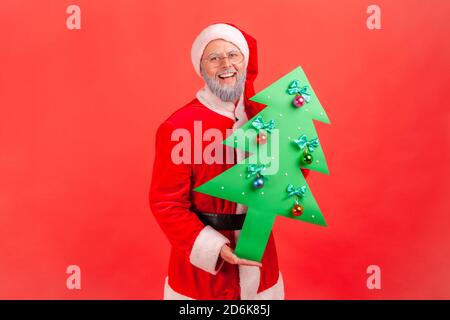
[(226, 62)]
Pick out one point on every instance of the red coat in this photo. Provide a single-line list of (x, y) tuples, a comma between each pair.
[(195, 268), (172, 202)]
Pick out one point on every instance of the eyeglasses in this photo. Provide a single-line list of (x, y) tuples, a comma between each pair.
[(215, 59)]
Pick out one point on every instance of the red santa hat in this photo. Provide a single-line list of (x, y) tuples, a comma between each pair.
[(245, 43)]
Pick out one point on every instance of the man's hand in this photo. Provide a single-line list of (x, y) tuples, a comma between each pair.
[(226, 253)]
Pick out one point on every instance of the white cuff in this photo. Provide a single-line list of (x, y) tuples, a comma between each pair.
[(206, 249)]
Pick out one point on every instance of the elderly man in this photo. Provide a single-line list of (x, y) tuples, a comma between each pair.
[(203, 230)]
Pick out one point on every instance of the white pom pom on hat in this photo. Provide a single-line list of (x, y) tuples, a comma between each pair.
[(213, 32)]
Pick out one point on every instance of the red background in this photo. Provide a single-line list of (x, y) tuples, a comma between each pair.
[(79, 110)]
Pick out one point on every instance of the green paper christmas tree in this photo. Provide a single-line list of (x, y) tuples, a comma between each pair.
[(281, 140)]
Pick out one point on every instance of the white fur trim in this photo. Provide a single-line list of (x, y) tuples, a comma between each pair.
[(170, 294), (206, 249), (241, 116), (227, 109), (213, 102), (249, 278), (213, 32), (276, 292)]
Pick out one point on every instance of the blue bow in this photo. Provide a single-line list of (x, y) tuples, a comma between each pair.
[(255, 170), (293, 191), (303, 143), (294, 88), (259, 124)]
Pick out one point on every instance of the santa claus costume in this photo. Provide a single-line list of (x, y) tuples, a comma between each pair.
[(196, 270)]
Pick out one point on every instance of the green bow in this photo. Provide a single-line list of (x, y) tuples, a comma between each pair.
[(293, 191), (259, 124), (255, 170), (303, 143), (294, 88)]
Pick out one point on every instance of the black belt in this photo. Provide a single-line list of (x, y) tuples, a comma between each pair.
[(222, 221)]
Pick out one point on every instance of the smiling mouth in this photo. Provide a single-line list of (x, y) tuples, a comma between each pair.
[(227, 75)]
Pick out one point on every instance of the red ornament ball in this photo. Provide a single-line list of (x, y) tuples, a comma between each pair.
[(299, 101), (261, 138), (297, 210)]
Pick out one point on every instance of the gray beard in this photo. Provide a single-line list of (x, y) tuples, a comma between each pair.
[(226, 93)]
